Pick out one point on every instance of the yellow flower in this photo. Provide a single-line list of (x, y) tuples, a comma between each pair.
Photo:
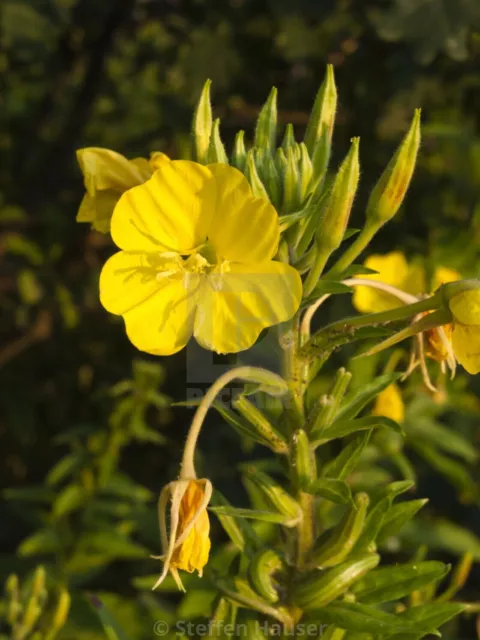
[(187, 545), (107, 174), (394, 269), (389, 403), (196, 259), (465, 308)]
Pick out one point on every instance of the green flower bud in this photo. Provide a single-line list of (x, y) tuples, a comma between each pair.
[(291, 179), (288, 137), (239, 155), (335, 218), (390, 190), (338, 543), (319, 588), (306, 171), (303, 460), (275, 496), (280, 161), (260, 424), (322, 117), (264, 564), (216, 151), (251, 173), (202, 124), (61, 612), (320, 159), (38, 586), (266, 129)]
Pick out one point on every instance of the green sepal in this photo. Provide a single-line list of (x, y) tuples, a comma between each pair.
[(202, 124), (266, 127)]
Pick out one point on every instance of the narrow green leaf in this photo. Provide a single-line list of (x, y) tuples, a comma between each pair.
[(359, 398), (343, 428), (441, 437), (239, 531), (336, 491), (390, 583), (112, 629), (252, 514), (428, 617), (343, 465), (363, 619), (399, 515)]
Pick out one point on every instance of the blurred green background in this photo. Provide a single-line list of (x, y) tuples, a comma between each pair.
[(86, 436)]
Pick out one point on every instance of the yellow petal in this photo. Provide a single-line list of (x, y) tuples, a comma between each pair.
[(98, 209), (170, 212), (233, 308), (245, 228), (390, 404), (392, 269), (106, 169), (158, 313), (465, 307), (443, 275), (466, 345)]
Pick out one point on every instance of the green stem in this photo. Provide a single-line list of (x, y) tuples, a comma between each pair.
[(247, 374), (349, 325), (355, 249), (292, 372)]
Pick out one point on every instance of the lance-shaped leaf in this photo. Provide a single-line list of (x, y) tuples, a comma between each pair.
[(343, 465), (398, 516), (340, 428), (390, 583), (363, 619), (336, 491), (239, 531)]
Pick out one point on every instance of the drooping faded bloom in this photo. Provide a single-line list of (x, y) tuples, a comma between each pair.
[(186, 545), (196, 258), (107, 174)]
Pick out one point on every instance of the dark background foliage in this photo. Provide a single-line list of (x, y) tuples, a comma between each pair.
[(125, 74)]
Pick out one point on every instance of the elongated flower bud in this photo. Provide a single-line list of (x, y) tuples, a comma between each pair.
[(216, 151), (389, 192), (275, 495), (323, 112), (202, 124), (266, 129), (239, 155), (335, 218)]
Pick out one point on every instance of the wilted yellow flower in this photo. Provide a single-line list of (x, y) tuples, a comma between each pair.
[(389, 403), (465, 308), (107, 174), (196, 258), (187, 545)]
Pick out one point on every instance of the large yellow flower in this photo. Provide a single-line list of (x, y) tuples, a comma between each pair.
[(465, 308), (107, 174), (394, 269), (196, 258)]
